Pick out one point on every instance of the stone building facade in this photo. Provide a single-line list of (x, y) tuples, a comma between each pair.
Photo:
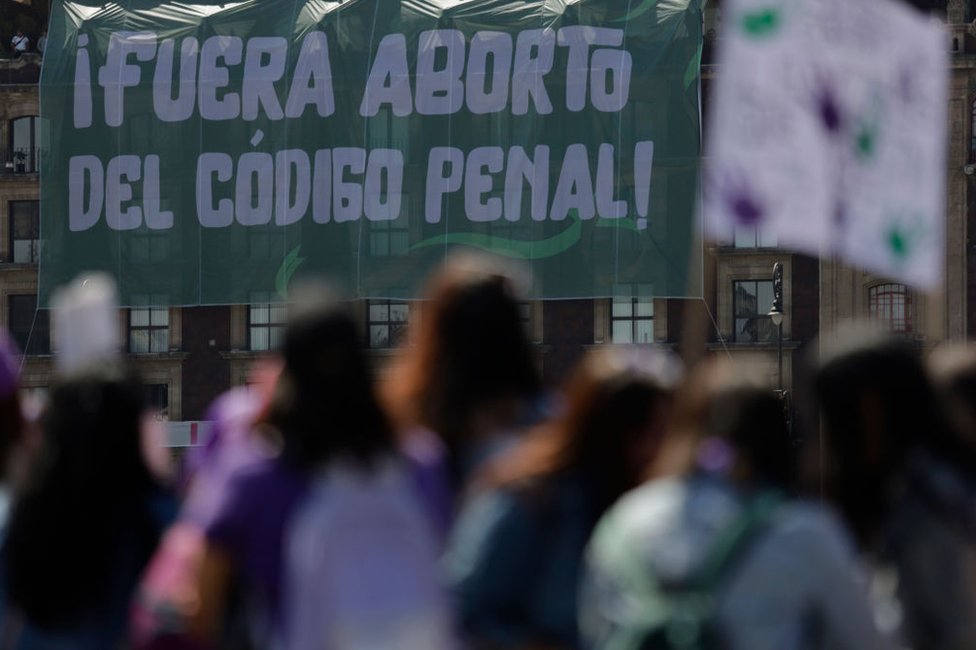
[(189, 355)]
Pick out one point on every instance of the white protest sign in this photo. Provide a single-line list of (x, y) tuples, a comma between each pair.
[(828, 129)]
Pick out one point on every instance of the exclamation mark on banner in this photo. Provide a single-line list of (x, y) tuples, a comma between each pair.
[(83, 99), (643, 163)]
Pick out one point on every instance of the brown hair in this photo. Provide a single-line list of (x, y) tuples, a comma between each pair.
[(471, 354), (613, 404), (324, 404), (718, 401)]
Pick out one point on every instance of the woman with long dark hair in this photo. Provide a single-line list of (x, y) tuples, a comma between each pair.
[(713, 552), (902, 475), (335, 477), (514, 558), (89, 517), (466, 385)]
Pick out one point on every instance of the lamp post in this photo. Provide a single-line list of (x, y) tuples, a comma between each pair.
[(776, 316)]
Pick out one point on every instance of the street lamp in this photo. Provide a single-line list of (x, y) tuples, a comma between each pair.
[(776, 316)]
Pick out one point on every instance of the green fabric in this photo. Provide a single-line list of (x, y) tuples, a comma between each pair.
[(271, 154)]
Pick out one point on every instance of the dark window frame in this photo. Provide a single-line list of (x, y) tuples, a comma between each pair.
[(150, 327), (157, 398), (35, 338), (31, 153), (634, 305), (390, 238), (394, 328), (273, 325), (752, 325), (34, 242), (883, 301)]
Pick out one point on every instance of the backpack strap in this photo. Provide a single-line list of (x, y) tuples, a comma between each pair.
[(657, 605), (734, 540)]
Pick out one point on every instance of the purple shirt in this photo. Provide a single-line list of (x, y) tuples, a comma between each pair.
[(249, 523), (426, 459), (231, 448)]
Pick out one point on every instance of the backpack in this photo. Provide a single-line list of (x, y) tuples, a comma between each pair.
[(653, 616), (361, 566)]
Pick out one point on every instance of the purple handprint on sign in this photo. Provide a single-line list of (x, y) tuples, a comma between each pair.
[(739, 198), (827, 107)]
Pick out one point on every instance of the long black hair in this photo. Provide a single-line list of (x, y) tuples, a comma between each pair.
[(879, 407), (84, 516), (471, 352), (324, 404)]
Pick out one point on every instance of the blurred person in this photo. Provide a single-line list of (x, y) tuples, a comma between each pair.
[(465, 386), (953, 372), (19, 43), (515, 556), (13, 426), (904, 479), (88, 519), (711, 552), (233, 442), (326, 537), (166, 597)]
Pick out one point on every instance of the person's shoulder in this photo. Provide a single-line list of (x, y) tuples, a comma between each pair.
[(265, 479), (811, 529), (643, 517), (663, 504), (496, 511), (807, 515)]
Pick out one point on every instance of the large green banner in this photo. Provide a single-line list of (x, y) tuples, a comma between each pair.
[(209, 153)]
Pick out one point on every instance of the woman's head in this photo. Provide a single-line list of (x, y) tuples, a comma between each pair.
[(876, 401), (87, 493), (324, 403), (470, 355), (93, 421), (617, 403), (727, 422), (877, 405)]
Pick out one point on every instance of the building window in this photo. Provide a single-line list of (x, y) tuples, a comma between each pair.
[(151, 246), (148, 330), (29, 326), (392, 237), (263, 244), (389, 238), (891, 306), (157, 398), (387, 131), (387, 321), (24, 232), (753, 237), (265, 326), (751, 302), (632, 317), (25, 142)]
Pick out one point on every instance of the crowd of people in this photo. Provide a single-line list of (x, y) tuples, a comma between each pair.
[(455, 501)]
